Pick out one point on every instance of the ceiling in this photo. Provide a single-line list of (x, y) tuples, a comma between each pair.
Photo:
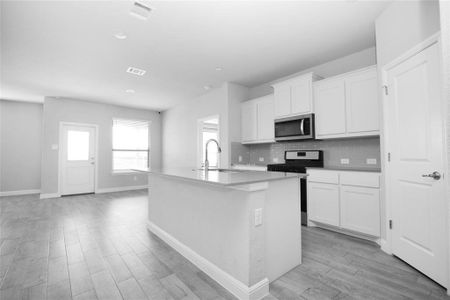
[(68, 48)]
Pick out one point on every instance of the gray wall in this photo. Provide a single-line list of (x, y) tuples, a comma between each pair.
[(357, 150), (65, 110), (20, 146)]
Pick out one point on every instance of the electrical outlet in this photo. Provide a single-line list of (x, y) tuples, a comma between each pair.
[(261, 159), (345, 161), (371, 161), (54, 146), (240, 158), (135, 178), (275, 159), (258, 217)]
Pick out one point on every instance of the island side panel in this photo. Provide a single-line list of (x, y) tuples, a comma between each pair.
[(211, 220), (283, 227)]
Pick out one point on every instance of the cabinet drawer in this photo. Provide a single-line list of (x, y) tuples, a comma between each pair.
[(323, 176), (360, 179)]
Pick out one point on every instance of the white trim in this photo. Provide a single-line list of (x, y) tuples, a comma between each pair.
[(60, 135), (121, 189), (234, 286), (49, 195), (20, 192)]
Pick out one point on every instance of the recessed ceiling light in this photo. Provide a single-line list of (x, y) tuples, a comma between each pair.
[(219, 68), (207, 87), (136, 71), (140, 10), (120, 36), (131, 91)]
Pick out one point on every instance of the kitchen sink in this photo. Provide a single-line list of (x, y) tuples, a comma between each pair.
[(220, 170)]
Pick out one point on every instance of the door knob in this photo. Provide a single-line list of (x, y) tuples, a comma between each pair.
[(435, 175)]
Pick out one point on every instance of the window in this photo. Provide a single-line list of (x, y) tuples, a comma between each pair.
[(130, 144), (77, 145)]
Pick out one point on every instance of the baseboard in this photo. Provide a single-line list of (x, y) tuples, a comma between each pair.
[(49, 195), (385, 247), (121, 189), (234, 286), (18, 193)]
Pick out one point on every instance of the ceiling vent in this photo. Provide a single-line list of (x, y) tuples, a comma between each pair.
[(140, 10), (136, 71)]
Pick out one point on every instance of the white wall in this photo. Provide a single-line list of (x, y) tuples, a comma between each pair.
[(179, 125), (65, 110), (20, 146), (404, 24), (357, 60)]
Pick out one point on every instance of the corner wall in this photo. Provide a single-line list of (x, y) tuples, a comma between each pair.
[(20, 146)]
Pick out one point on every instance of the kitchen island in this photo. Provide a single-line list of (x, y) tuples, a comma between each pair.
[(242, 228)]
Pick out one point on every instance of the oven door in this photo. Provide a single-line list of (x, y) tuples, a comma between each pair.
[(294, 128)]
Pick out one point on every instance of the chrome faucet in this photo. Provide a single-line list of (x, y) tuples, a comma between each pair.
[(219, 150)]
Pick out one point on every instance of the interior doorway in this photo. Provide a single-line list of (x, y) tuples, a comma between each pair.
[(208, 128), (78, 152)]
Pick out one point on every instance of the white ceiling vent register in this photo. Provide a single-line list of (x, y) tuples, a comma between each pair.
[(136, 71), (140, 10)]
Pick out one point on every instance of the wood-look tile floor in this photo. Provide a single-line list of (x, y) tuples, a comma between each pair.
[(98, 247)]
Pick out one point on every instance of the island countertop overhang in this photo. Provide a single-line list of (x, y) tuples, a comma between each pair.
[(225, 177)]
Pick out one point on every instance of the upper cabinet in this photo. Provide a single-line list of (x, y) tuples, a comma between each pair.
[(257, 120), (294, 96), (347, 105)]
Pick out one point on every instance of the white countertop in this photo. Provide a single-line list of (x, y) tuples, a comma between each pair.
[(229, 178)]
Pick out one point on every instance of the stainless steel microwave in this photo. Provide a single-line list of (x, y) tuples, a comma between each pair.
[(295, 128)]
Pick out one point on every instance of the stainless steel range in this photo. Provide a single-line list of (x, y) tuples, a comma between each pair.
[(296, 161)]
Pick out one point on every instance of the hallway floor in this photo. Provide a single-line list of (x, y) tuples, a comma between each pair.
[(98, 247)]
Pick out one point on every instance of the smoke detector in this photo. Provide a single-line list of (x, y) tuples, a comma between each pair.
[(136, 71), (140, 10)]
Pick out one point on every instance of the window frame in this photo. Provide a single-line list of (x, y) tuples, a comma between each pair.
[(129, 171)]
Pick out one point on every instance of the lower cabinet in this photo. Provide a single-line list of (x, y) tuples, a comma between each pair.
[(346, 200), (360, 209), (325, 207)]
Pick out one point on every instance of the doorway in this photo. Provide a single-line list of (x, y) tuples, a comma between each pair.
[(208, 128), (78, 153), (417, 206)]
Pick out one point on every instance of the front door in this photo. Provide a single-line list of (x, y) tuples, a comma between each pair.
[(78, 159), (417, 190)]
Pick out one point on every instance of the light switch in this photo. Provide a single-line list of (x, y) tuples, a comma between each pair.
[(261, 159), (258, 217), (240, 158), (345, 161)]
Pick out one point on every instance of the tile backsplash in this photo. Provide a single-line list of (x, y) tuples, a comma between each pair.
[(356, 150)]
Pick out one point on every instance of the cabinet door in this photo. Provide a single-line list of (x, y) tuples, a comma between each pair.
[(360, 209), (323, 203), (362, 103), (282, 95), (329, 105), (265, 123), (248, 121), (301, 98)]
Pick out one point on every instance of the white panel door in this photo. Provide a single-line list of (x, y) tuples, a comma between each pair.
[(362, 102), (329, 105), (282, 94), (248, 121), (301, 98), (323, 203), (415, 131), (78, 153), (360, 209), (266, 128)]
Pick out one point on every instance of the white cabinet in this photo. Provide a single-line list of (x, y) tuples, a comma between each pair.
[(294, 96), (325, 206), (344, 199), (347, 105), (360, 209), (257, 121)]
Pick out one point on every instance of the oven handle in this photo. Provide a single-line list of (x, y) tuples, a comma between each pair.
[(302, 125)]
